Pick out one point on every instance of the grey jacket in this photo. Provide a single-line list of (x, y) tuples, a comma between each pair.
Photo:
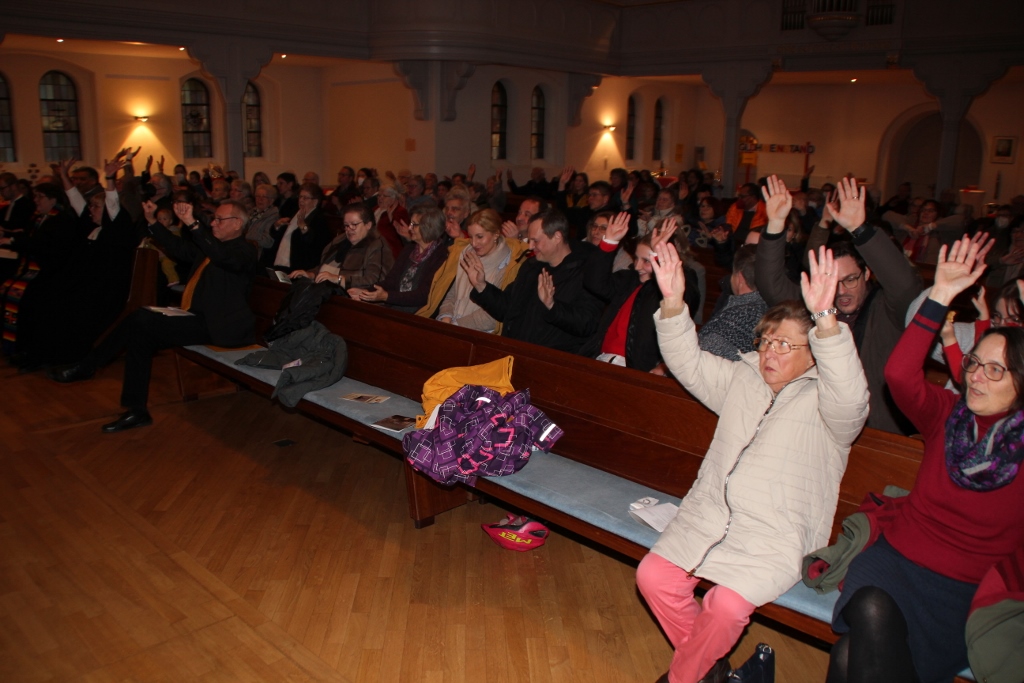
[(324, 359)]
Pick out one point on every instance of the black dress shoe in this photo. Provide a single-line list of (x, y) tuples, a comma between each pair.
[(71, 373), (132, 418)]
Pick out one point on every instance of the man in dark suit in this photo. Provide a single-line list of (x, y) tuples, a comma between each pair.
[(216, 296), (17, 215)]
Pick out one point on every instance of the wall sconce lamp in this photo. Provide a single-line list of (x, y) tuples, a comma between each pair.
[(610, 128), (142, 119)]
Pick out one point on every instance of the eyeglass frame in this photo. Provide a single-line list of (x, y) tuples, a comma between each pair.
[(971, 359), (219, 219), (846, 282), (1007, 320), (771, 344)]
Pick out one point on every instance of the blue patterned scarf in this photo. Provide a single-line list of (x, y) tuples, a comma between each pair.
[(988, 463)]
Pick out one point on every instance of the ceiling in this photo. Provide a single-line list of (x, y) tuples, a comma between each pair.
[(25, 43)]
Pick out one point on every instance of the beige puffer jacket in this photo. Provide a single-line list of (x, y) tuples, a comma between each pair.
[(783, 487)]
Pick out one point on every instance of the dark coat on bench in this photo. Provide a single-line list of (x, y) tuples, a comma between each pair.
[(568, 324)]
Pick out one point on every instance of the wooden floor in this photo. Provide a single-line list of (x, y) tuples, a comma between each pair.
[(196, 549)]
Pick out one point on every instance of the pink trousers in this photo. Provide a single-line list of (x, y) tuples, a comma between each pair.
[(701, 633)]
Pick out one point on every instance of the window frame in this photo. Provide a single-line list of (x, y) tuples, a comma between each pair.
[(8, 152), (631, 128), (499, 122), (252, 151), (68, 136), (201, 129), (538, 115)]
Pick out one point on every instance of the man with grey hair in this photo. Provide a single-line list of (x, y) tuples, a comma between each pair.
[(457, 207), (415, 194), (216, 297), (262, 218), (547, 303)]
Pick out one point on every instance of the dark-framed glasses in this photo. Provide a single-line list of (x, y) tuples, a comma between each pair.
[(851, 282), (779, 346), (221, 219), (994, 371)]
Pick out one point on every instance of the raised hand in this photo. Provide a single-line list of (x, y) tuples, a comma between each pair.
[(665, 232), (959, 267), (471, 173), (149, 162), (850, 213), (112, 167), (546, 289), (510, 229), (981, 305), (720, 234), (184, 212), (566, 176), (402, 228), (618, 226), (160, 164), (668, 270), (946, 333), (778, 203), (474, 268), (819, 287)]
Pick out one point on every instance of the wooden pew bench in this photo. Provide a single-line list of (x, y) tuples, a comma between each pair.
[(627, 434)]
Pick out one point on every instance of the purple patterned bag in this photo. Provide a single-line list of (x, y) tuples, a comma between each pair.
[(480, 433)]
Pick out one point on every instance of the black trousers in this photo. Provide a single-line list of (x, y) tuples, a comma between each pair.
[(140, 336)]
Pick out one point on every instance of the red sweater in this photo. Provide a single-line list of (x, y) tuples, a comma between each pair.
[(951, 530)]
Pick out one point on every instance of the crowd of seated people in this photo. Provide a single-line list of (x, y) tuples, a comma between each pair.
[(611, 269)]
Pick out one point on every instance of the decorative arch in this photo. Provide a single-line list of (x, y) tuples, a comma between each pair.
[(887, 172)]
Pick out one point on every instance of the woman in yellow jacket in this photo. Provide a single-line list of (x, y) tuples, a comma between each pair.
[(449, 292)]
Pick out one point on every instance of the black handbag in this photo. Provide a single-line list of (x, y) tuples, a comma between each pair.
[(760, 668)]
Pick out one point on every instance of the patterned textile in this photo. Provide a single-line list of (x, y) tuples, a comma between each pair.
[(480, 433), (990, 462), (12, 291)]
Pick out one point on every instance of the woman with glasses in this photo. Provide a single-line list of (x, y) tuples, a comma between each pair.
[(906, 598), (356, 260), (407, 284), (767, 490)]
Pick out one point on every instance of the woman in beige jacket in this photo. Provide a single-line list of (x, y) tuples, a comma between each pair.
[(768, 487)]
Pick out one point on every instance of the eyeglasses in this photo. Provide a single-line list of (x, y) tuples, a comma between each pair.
[(779, 346), (994, 371), (304, 196), (221, 219), (413, 225), (999, 320), (353, 225), (851, 282)]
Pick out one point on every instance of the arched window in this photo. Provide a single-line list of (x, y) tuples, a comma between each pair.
[(195, 119), (658, 126), (537, 124), (253, 122), (7, 151), (631, 128), (58, 103), (499, 121)]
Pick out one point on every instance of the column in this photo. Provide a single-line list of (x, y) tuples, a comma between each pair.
[(734, 83)]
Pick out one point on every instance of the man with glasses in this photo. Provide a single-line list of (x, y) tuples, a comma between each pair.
[(874, 310), (216, 299)]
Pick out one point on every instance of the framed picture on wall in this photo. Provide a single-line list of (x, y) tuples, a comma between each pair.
[(1004, 150)]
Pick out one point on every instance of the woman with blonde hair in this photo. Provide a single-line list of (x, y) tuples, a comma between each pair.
[(501, 258)]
